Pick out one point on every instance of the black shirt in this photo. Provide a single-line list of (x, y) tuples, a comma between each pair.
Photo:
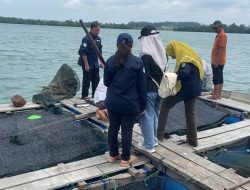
[(152, 70)]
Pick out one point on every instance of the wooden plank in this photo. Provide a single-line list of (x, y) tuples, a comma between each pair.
[(188, 164), (231, 103), (65, 168), (224, 129), (114, 182), (60, 180), (231, 175), (80, 101), (190, 177), (108, 168), (10, 107), (88, 111), (183, 152), (191, 168), (198, 171), (247, 186), (21, 179), (50, 172), (213, 132), (222, 139), (240, 96), (189, 155), (70, 102), (75, 176), (216, 182)]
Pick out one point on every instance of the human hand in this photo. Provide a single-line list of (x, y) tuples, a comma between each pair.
[(86, 67), (102, 65), (142, 113), (214, 65)]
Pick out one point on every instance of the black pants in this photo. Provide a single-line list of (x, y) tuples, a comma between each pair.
[(91, 76), (126, 121), (169, 103), (218, 74)]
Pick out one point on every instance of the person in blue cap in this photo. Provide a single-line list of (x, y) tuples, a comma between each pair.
[(126, 97)]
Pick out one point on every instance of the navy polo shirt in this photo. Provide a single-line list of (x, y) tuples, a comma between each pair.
[(87, 49)]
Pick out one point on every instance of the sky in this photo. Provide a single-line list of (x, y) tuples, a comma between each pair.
[(124, 11)]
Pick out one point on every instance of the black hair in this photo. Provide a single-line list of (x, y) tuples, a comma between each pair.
[(94, 24), (123, 50), (218, 23)]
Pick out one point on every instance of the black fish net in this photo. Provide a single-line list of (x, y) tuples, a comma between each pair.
[(64, 85), (207, 116), (36, 139)]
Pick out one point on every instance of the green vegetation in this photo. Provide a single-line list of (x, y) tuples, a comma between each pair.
[(174, 26)]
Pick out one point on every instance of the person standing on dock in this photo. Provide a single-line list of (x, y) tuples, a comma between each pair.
[(89, 60), (218, 59), (154, 59), (126, 97), (189, 69)]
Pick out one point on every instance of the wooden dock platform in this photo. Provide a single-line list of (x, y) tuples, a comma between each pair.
[(173, 156)]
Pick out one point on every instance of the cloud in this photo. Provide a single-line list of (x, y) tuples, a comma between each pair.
[(6, 1), (73, 4), (77, 4)]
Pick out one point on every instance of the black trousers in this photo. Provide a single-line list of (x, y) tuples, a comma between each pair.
[(91, 76), (169, 103), (126, 121)]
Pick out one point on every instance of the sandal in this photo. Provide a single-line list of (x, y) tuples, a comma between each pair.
[(112, 159), (132, 160)]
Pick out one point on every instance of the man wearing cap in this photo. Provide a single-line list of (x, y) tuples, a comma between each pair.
[(218, 59), (89, 60), (153, 55)]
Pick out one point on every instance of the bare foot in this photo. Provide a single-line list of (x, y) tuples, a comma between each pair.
[(212, 98)]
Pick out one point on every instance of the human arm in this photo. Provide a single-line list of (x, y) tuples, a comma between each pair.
[(184, 71), (108, 73), (221, 52), (99, 45), (85, 63), (83, 52), (142, 89), (146, 62)]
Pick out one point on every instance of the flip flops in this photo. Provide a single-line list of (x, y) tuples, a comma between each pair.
[(112, 159), (132, 160)]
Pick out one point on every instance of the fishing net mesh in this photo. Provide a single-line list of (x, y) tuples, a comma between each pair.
[(42, 139), (207, 116), (64, 85), (236, 156)]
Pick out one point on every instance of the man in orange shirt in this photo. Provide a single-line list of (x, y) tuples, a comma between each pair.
[(218, 59)]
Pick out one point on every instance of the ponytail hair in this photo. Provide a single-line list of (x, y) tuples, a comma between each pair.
[(123, 50)]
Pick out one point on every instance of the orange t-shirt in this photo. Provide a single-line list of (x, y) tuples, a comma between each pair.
[(220, 42)]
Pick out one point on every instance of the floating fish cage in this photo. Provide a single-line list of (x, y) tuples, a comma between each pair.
[(235, 155), (35, 139), (208, 116)]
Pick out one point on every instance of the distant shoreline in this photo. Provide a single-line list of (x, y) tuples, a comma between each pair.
[(168, 26)]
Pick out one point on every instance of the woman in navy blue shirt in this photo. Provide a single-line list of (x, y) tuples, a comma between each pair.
[(126, 97)]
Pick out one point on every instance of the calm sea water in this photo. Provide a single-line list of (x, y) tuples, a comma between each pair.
[(31, 55)]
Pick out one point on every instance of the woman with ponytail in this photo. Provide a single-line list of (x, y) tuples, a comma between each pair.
[(126, 97)]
